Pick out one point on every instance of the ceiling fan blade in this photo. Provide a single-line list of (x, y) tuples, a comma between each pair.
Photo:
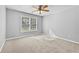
[(46, 10), (45, 6), (35, 10)]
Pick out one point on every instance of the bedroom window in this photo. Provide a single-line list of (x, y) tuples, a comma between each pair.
[(28, 24), (33, 24)]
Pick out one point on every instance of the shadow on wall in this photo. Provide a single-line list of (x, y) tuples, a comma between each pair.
[(51, 33)]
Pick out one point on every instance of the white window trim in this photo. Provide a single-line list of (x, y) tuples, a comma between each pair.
[(29, 24)]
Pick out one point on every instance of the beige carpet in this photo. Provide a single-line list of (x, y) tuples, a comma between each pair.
[(39, 44)]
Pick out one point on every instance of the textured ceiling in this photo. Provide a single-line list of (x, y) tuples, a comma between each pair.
[(28, 9)]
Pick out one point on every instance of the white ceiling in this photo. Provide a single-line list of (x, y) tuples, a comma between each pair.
[(28, 9)]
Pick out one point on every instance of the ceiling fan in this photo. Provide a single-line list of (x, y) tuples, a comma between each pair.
[(40, 9)]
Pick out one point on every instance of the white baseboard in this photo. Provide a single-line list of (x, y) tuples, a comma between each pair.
[(67, 39), (22, 36), (15, 37), (2, 46)]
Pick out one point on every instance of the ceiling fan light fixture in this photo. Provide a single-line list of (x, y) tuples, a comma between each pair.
[(41, 9)]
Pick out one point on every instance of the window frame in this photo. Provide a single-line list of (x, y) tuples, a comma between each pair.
[(30, 30), (36, 24)]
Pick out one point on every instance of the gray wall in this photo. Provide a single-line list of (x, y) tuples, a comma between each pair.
[(2, 25), (64, 24), (14, 23)]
